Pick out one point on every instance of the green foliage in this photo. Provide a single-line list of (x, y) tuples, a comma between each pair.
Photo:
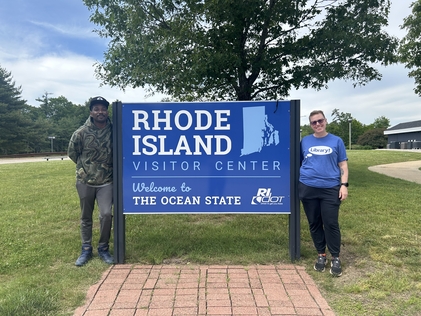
[(63, 117), (241, 49), (56, 117), (13, 121), (360, 147), (374, 138), (340, 126), (381, 122), (306, 130), (362, 136), (25, 128), (410, 45), (367, 136)]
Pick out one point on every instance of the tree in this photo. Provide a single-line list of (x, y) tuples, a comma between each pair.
[(410, 45), (381, 122), (340, 126), (374, 138), (306, 130), (62, 119), (241, 49), (45, 107), (13, 121)]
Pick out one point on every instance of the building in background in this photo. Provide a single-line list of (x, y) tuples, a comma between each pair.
[(404, 136)]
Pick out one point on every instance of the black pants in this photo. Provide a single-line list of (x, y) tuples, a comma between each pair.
[(322, 210)]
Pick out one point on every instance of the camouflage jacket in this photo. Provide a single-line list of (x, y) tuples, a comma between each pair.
[(91, 148)]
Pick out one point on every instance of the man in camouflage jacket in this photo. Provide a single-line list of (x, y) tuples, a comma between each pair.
[(91, 148)]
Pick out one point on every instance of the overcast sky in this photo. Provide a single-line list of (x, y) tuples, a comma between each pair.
[(49, 46)]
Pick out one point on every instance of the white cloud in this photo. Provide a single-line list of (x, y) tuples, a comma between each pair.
[(67, 30), (71, 76), (392, 97), (19, 43)]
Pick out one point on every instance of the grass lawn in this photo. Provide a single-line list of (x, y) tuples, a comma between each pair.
[(381, 241)]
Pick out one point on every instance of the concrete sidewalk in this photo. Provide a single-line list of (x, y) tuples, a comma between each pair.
[(408, 171), (182, 290)]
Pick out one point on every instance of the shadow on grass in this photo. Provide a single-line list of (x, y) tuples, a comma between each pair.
[(211, 239)]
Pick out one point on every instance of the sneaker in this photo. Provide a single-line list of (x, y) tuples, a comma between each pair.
[(104, 254), (335, 267), (320, 263), (85, 255)]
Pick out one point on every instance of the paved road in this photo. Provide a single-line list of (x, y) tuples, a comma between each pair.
[(30, 159)]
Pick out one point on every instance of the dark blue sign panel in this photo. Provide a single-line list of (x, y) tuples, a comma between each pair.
[(222, 157)]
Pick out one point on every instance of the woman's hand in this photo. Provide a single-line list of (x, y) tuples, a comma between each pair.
[(343, 192)]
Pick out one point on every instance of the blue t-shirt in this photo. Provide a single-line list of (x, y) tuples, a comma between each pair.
[(319, 161)]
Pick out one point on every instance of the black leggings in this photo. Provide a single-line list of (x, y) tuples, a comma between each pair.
[(322, 210)]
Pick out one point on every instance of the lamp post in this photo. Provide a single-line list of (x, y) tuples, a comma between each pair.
[(52, 140), (350, 121)]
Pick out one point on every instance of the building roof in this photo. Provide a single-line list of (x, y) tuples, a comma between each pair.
[(408, 127)]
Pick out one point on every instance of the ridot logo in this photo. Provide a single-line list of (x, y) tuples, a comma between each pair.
[(264, 197), (320, 150)]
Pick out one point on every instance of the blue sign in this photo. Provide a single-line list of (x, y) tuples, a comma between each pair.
[(213, 157)]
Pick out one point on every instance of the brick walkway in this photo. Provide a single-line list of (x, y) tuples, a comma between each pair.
[(166, 290)]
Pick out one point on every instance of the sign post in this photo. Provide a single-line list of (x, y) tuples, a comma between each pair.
[(206, 158)]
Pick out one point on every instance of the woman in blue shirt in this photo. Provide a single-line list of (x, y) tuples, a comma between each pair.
[(323, 184)]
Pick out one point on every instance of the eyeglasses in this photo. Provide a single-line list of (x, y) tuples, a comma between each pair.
[(314, 123)]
